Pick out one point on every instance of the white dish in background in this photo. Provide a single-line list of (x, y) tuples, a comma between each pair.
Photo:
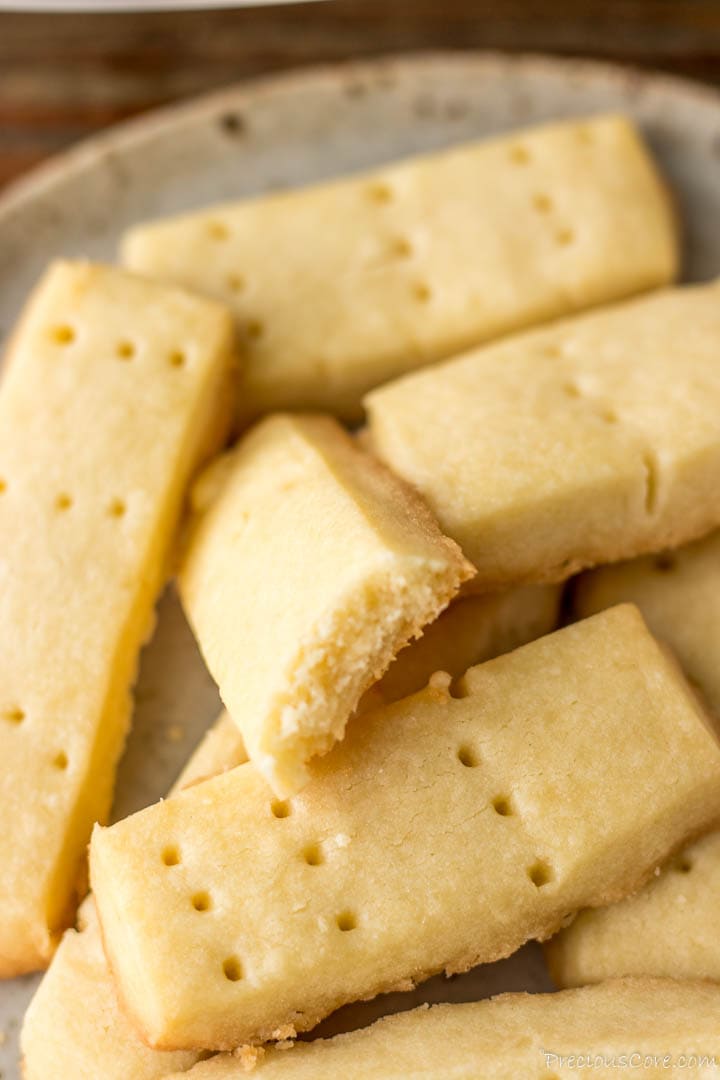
[(280, 132)]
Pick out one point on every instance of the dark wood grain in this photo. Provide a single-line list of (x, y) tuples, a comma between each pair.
[(64, 77)]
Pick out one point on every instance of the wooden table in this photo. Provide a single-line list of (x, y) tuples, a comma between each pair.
[(64, 77)]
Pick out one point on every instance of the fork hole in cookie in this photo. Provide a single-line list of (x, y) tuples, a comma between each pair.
[(201, 901), (170, 855), (346, 921), (540, 874), (519, 154), (380, 193), (63, 502), (64, 334), (502, 806), (313, 855), (60, 761), (232, 969), (14, 715), (280, 808), (254, 329), (218, 230), (125, 350), (565, 236), (542, 203), (117, 508), (177, 358), (401, 247), (683, 865), (236, 283), (467, 757), (422, 292)]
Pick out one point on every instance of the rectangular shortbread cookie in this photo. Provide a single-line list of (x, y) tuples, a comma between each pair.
[(662, 1028), (115, 390), (74, 1028), (308, 568), (593, 440), (442, 832), (678, 593), (671, 927), (342, 286)]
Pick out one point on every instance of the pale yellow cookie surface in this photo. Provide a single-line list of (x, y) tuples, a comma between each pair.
[(678, 593), (473, 629), (308, 571), (671, 927), (528, 1036), (342, 286), (115, 390), (442, 832), (221, 749), (74, 1028), (592, 440)]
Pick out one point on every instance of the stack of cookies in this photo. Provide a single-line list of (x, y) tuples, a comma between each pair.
[(388, 453)]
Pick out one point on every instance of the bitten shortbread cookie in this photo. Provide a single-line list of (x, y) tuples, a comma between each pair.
[(671, 927), (229, 916), (593, 440), (342, 286), (307, 572), (660, 1027), (74, 1027), (115, 390)]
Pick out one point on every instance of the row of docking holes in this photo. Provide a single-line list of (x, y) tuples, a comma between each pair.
[(382, 193), (540, 873), (65, 335), (15, 717), (609, 416), (115, 508)]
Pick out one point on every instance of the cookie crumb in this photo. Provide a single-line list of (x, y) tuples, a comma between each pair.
[(285, 1031), (249, 1056)]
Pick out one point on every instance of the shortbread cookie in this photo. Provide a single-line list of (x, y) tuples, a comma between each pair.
[(221, 749), (444, 831), (678, 593), (593, 440), (629, 1027), (342, 286), (472, 630), (305, 573), (74, 1028), (114, 392), (671, 927)]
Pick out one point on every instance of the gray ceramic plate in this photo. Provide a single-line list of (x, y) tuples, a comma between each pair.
[(277, 133)]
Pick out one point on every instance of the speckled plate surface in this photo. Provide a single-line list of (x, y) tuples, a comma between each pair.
[(277, 133)]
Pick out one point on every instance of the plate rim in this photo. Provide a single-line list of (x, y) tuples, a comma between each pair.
[(380, 69)]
